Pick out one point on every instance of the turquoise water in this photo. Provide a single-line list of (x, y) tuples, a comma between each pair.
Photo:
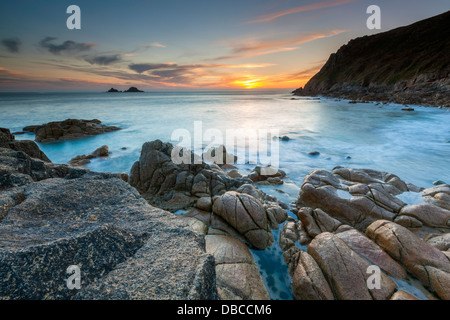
[(413, 145)]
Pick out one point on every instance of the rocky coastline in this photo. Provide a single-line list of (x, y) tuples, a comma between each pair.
[(122, 232), (390, 67)]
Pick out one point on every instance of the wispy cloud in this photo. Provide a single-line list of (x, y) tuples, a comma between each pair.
[(12, 44), (248, 48), (68, 46), (253, 54), (304, 8), (104, 60)]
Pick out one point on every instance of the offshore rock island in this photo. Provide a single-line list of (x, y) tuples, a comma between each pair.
[(407, 65)]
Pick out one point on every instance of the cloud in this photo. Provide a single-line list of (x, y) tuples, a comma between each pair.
[(12, 44), (142, 67), (236, 56), (309, 7), (157, 44), (104, 60), (248, 48), (68, 46), (154, 44)]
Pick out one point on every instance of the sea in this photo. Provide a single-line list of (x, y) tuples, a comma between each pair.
[(323, 133)]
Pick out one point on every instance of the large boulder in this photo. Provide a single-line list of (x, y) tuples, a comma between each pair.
[(125, 248), (308, 281), (247, 215), (356, 197), (68, 129), (7, 140), (174, 186), (346, 272), (237, 275), (419, 258)]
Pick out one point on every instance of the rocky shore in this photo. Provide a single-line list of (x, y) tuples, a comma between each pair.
[(407, 65), (122, 232), (68, 129)]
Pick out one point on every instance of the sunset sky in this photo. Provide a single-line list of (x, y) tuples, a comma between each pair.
[(184, 44)]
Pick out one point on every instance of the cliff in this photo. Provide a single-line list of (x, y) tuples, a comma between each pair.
[(409, 64)]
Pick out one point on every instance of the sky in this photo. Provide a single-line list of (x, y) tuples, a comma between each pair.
[(184, 44)]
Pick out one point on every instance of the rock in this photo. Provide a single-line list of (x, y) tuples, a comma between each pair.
[(247, 215), (236, 272), (314, 153), (403, 295), (346, 272), (83, 159), (68, 129), (204, 203), (392, 75), (406, 108), (428, 214), (439, 241), (113, 90), (234, 174), (174, 186), (308, 281), (285, 138), (316, 221), (102, 225), (356, 197), (419, 258), (438, 195), (288, 236), (438, 182), (270, 174), (368, 250), (219, 156), (408, 222), (7, 140), (133, 89)]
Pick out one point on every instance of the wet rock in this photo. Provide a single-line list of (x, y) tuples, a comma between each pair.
[(81, 160), (345, 271), (317, 221), (219, 155), (68, 129), (308, 281), (288, 236), (237, 275), (419, 258), (7, 140), (403, 295), (368, 250), (356, 197), (439, 241), (428, 214), (247, 215), (268, 174), (314, 153), (173, 186), (438, 195)]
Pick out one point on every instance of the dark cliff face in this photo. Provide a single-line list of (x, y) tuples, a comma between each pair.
[(407, 65)]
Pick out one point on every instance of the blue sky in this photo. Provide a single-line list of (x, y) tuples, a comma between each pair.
[(184, 44)]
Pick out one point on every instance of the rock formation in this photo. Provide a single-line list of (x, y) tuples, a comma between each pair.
[(407, 65), (68, 129), (352, 219), (54, 216), (7, 140), (81, 160)]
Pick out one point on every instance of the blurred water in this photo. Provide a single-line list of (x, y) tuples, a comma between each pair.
[(413, 145)]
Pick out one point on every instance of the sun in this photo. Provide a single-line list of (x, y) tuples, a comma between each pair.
[(250, 83)]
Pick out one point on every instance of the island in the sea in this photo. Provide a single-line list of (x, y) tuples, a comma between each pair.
[(131, 89)]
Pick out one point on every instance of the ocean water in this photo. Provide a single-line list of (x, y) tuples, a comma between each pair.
[(413, 145)]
